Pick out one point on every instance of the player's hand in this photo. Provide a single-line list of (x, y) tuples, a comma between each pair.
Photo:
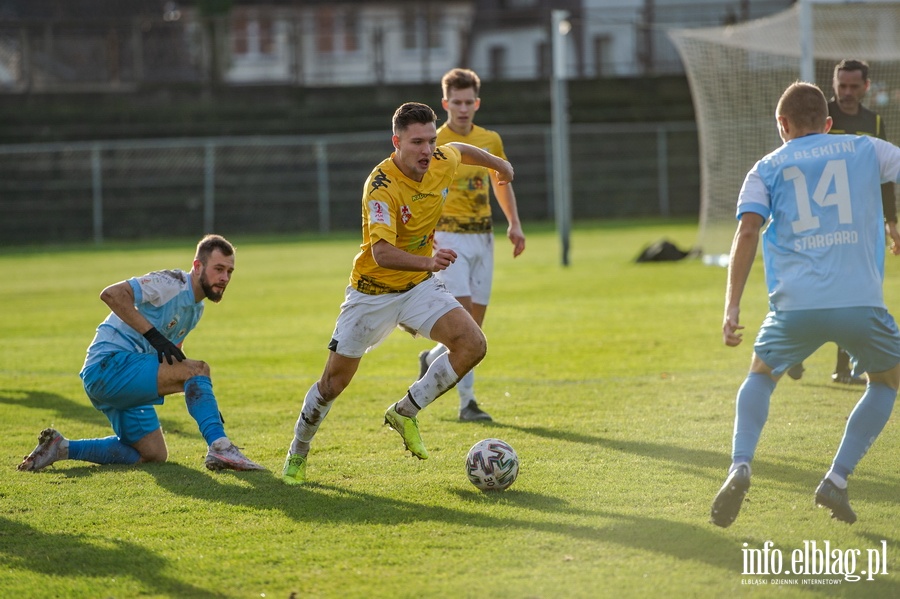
[(505, 174), (164, 348), (442, 259), (517, 238), (894, 235), (731, 326)]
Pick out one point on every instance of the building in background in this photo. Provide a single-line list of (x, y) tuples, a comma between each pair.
[(50, 45)]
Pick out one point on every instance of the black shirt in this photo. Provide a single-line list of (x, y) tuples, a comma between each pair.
[(865, 122)]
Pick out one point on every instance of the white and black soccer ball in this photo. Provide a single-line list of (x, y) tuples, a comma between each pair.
[(492, 465)]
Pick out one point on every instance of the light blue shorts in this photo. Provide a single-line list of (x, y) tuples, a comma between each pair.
[(869, 335), (123, 386)]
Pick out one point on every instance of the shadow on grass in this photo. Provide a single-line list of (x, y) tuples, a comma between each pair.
[(791, 474), (315, 503), (63, 406), (59, 554), (79, 411)]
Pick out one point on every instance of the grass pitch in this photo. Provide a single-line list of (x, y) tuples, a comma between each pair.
[(609, 378)]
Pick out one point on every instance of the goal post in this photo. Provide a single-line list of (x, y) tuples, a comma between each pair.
[(737, 73)]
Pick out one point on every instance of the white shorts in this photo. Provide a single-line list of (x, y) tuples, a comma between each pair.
[(473, 272), (366, 320)]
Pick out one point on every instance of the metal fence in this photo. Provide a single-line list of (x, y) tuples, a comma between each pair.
[(106, 190)]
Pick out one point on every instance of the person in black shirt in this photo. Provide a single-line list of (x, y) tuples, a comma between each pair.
[(849, 116)]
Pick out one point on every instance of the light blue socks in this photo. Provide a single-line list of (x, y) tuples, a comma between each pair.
[(202, 406), (108, 450), (864, 425), (751, 412)]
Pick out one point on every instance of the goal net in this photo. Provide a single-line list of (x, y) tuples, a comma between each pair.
[(738, 72)]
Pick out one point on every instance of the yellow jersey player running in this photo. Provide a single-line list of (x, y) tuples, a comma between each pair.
[(465, 224), (392, 282)]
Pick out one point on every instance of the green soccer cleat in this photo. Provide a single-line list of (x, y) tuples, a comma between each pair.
[(408, 428), (294, 472)]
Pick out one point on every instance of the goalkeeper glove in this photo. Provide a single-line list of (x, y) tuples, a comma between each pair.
[(164, 347)]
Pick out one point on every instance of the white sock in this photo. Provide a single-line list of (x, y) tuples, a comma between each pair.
[(839, 481), (438, 380), (736, 464), (311, 416), (466, 389), (435, 351)]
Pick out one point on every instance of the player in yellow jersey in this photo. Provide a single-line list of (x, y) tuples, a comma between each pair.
[(466, 221), (392, 282)]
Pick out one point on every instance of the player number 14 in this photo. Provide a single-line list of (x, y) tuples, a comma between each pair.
[(833, 189)]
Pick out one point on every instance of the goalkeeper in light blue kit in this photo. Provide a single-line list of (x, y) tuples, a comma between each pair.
[(136, 359), (824, 251)]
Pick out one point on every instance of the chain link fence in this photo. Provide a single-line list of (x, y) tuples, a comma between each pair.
[(111, 190)]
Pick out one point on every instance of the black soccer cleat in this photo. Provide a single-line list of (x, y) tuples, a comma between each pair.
[(472, 413), (837, 500), (845, 378), (728, 501), (423, 363), (796, 371)]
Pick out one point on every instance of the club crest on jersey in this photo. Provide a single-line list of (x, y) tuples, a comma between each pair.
[(172, 324), (405, 214), (378, 213)]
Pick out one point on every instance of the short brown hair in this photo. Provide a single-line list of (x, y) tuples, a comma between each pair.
[(211, 243), (460, 79), (852, 65), (804, 105), (412, 113)]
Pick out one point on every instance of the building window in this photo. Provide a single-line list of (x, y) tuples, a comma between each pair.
[(410, 30), (602, 55), (325, 30), (252, 33), (497, 62), (434, 26), (543, 59), (336, 31), (351, 31), (422, 28)]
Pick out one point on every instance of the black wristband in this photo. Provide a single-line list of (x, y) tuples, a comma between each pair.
[(154, 336)]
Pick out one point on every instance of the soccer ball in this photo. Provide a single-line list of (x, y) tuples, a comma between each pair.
[(492, 465)]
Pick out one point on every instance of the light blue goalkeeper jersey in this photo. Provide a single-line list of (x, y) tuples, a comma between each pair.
[(166, 299), (824, 244)]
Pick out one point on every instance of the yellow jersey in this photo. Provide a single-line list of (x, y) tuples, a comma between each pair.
[(403, 212), (468, 206)]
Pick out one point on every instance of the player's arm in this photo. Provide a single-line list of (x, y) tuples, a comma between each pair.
[(743, 252), (387, 255), (506, 197), (120, 299), (888, 198), (478, 157)]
